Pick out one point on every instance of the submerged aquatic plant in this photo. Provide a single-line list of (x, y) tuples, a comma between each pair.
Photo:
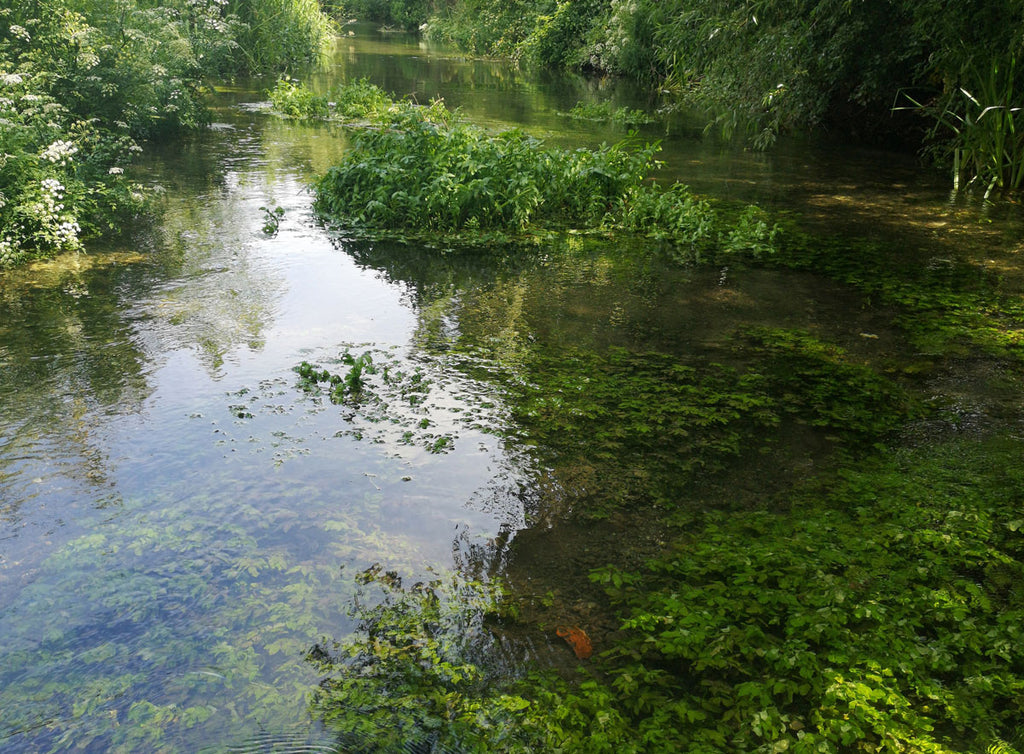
[(389, 400), (878, 609), (272, 219), (344, 388), (413, 675)]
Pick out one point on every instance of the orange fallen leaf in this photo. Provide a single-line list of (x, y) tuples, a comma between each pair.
[(577, 639)]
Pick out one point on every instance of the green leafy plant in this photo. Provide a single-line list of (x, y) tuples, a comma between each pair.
[(426, 173), (272, 219), (413, 673), (290, 97), (86, 83), (280, 34), (389, 400), (857, 620), (606, 112), (983, 122), (359, 99)]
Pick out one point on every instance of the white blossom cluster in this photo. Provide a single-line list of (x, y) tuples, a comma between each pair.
[(605, 55), (59, 229), (9, 251), (59, 152)]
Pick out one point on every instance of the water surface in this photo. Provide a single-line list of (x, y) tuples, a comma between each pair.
[(180, 521)]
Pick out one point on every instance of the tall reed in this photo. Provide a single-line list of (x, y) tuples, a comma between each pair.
[(982, 120), (279, 34)]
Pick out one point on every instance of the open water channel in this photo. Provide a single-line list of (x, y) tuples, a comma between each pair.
[(181, 521)]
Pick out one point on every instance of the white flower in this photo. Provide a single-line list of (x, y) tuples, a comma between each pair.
[(68, 231), (11, 79), (21, 33), (60, 151), (52, 186), (115, 171)]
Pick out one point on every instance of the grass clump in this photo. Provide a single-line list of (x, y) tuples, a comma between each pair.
[(360, 99), (978, 127), (352, 100), (422, 175), (291, 98)]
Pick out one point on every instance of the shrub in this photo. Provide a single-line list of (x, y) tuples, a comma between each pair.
[(422, 172), (87, 80)]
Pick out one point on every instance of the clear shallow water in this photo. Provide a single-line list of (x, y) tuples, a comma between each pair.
[(180, 522)]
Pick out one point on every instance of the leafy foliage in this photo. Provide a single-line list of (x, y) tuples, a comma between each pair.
[(425, 173), (85, 82), (290, 98), (413, 675), (351, 100), (653, 424), (393, 14), (880, 611), (880, 614), (279, 34), (979, 127), (762, 68), (604, 112)]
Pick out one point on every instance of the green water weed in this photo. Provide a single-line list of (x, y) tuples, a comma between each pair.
[(390, 400), (293, 99), (878, 611), (604, 112), (272, 220), (414, 673)]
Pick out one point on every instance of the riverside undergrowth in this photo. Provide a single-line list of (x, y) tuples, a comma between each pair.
[(83, 85), (420, 173)]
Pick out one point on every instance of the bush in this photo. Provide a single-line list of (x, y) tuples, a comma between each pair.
[(88, 80), (421, 172)]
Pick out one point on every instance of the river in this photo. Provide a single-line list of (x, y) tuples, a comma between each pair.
[(181, 521)]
